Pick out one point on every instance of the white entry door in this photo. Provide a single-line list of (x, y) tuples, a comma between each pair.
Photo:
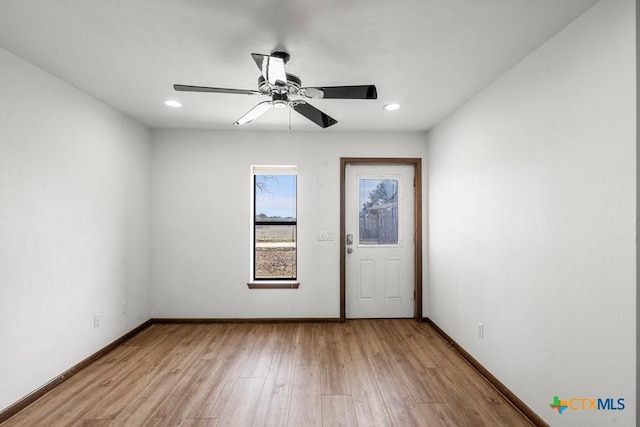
[(380, 248)]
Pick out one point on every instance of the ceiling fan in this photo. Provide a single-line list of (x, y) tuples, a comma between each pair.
[(286, 90)]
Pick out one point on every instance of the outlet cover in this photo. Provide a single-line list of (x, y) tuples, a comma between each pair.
[(123, 307)]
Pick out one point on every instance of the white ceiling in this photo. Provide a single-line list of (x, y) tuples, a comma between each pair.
[(429, 55)]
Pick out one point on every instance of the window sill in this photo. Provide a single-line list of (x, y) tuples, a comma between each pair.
[(273, 285)]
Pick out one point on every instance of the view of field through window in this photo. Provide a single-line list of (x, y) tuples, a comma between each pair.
[(275, 227)]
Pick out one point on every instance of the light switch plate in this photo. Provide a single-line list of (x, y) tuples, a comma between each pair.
[(325, 236)]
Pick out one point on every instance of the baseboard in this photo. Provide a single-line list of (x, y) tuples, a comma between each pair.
[(508, 394), (164, 320), (37, 394)]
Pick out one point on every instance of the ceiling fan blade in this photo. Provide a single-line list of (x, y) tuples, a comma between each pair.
[(272, 68), (315, 115), (254, 113), (341, 92), (259, 58), (185, 88), (275, 71)]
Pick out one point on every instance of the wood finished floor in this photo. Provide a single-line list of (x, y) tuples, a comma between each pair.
[(359, 373)]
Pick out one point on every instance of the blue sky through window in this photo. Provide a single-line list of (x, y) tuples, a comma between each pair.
[(276, 195)]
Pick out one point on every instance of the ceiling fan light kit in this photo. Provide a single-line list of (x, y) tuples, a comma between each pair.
[(286, 90)]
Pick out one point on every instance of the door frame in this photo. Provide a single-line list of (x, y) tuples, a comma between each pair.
[(417, 224)]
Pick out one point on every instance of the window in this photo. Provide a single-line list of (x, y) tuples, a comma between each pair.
[(379, 214), (274, 223)]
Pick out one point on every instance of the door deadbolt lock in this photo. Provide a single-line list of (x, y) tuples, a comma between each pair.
[(349, 239)]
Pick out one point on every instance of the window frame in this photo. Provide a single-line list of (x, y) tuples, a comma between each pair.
[(272, 282)]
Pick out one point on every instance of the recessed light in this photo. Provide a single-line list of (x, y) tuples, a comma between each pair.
[(391, 107), (172, 103)]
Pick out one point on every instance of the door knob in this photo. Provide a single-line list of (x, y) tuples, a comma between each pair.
[(349, 250)]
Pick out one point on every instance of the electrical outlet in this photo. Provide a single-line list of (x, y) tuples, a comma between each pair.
[(96, 320), (123, 307), (480, 330)]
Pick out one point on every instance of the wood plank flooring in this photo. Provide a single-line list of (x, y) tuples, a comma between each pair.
[(358, 373)]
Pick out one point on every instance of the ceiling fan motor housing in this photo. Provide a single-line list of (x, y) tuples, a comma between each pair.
[(293, 85), (282, 55)]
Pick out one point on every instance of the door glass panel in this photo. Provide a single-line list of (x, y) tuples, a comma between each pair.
[(378, 220)]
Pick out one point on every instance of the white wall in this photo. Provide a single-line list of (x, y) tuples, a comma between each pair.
[(532, 192), (74, 226), (201, 218)]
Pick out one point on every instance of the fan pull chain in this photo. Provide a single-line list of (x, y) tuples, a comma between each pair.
[(289, 119)]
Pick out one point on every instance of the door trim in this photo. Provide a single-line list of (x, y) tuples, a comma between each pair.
[(417, 226)]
